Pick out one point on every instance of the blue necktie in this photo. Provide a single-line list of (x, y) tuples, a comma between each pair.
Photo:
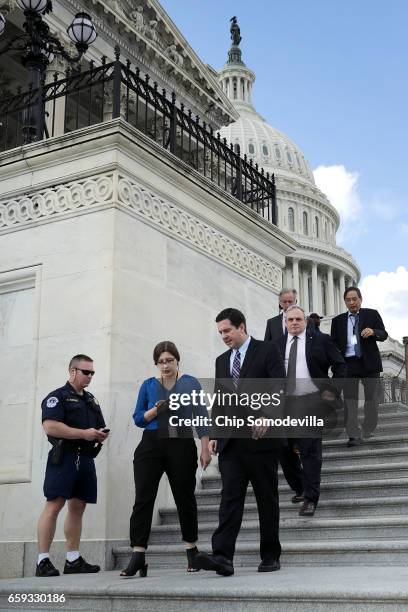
[(236, 369), (356, 332)]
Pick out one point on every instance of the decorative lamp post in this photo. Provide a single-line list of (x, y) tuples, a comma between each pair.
[(39, 48)]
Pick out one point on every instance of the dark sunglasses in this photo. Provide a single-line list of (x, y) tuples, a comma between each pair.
[(86, 372)]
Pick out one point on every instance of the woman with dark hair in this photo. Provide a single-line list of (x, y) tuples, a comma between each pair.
[(159, 452)]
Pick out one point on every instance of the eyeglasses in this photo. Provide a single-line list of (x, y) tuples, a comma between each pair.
[(165, 361), (86, 372)]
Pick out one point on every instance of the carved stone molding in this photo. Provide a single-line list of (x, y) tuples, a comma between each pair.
[(56, 200), (198, 234), (60, 200)]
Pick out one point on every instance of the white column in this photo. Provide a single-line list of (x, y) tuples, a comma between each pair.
[(330, 292), (315, 288), (305, 299), (296, 274), (288, 275), (342, 287)]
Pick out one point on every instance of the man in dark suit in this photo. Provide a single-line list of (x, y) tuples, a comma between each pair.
[(308, 358), (253, 458), (356, 333), (276, 326), (289, 459)]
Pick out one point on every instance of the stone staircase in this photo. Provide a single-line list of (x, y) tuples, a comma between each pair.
[(362, 515), (351, 556)]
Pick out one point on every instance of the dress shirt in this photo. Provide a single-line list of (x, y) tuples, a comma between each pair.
[(351, 348), (242, 352), (304, 383)]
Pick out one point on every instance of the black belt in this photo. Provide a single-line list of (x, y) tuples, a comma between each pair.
[(85, 451)]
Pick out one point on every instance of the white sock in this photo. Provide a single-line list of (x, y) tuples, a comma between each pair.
[(42, 556), (72, 555)]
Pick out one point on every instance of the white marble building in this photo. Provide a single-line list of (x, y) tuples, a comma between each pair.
[(319, 269), (110, 243)]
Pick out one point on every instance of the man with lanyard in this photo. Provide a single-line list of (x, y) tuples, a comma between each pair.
[(356, 333), (73, 422)]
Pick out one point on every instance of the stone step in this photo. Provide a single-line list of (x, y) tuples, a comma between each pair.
[(339, 473), (391, 415), (376, 441), (356, 489), (303, 553), (331, 589), (302, 528), (387, 427), (389, 407), (348, 508), (361, 454)]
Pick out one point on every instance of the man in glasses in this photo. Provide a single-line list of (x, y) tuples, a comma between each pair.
[(73, 422)]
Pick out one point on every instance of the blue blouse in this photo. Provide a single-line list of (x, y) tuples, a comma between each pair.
[(152, 391)]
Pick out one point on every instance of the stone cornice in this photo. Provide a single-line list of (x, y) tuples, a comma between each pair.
[(191, 79), (103, 191)]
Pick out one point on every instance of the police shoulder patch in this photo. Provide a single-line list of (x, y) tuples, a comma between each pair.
[(52, 402)]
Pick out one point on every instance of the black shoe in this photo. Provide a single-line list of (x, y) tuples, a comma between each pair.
[(298, 497), (268, 566), (136, 564), (80, 566), (191, 555), (354, 442), (45, 569), (214, 563), (308, 508)]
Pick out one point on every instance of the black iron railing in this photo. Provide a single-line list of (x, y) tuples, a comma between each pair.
[(393, 389), (112, 90)]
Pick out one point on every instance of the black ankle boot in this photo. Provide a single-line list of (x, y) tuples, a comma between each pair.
[(191, 555), (136, 564)]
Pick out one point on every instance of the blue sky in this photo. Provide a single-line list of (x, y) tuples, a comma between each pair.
[(333, 76)]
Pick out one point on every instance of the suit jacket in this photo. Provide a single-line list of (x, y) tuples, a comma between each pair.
[(370, 355), (321, 355), (262, 361), (274, 328)]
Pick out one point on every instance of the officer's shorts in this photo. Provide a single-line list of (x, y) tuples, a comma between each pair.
[(67, 481)]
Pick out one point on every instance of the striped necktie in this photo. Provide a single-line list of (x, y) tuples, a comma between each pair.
[(236, 369)]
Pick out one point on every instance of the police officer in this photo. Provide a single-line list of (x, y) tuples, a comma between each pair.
[(73, 422)]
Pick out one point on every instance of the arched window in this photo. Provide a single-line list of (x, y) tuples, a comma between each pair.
[(234, 85), (325, 230), (278, 153), (291, 219), (236, 148), (251, 149), (265, 150), (305, 224), (317, 226), (288, 155)]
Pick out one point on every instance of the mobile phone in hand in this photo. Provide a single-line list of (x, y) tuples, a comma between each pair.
[(105, 430)]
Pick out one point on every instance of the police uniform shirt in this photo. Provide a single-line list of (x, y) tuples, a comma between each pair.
[(78, 411)]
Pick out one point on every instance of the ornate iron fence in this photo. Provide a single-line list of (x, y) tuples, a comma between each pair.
[(112, 90)]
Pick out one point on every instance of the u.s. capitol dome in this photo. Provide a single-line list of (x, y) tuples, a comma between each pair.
[(319, 269)]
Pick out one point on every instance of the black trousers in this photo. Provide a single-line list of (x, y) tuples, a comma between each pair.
[(177, 457), (311, 459), (238, 467), (355, 373), (291, 467)]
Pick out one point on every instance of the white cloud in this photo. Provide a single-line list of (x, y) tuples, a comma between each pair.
[(340, 186), (404, 229), (387, 292)]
